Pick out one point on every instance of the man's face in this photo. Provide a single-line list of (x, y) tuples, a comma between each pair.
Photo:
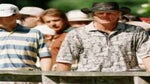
[(106, 17), (54, 22), (10, 20), (30, 21)]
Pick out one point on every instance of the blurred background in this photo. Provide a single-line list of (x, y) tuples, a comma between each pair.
[(138, 7)]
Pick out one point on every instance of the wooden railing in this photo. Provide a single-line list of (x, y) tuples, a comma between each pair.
[(76, 77)]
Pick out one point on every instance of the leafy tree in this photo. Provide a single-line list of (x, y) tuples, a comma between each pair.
[(66, 5)]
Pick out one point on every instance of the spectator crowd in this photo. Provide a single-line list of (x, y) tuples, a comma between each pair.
[(103, 38)]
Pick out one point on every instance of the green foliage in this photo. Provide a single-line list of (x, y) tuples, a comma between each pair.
[(67, 5), (144, 10)]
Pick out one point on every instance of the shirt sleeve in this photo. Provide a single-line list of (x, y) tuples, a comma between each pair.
[(70, 48), (43, 50), (143, 49)]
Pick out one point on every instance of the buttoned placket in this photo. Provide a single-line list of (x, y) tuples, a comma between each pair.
[(109, 45)]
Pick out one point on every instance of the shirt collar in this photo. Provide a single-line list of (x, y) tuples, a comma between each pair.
[(18, 28), (90, 27)]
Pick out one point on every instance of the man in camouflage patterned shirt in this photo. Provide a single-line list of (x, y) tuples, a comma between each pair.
[(105, 45)]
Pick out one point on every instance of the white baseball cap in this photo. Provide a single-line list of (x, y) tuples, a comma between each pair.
[(77, 15), (35, 11), (45, 29), (8, 10)]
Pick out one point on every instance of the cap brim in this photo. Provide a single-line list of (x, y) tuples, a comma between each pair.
[(86, 10), (106, 10), (5, 15), (80, 20)]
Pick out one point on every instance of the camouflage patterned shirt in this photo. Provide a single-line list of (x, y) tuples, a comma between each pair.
[(98, 51)]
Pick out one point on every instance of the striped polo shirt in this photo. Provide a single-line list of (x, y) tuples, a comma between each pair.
[(19, 49)]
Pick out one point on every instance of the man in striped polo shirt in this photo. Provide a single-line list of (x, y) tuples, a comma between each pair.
[(20, 46)]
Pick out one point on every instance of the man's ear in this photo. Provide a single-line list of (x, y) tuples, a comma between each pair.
[(18, 16), (120, 13)]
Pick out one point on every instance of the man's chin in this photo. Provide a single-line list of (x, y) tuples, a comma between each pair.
[(105, 22)]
